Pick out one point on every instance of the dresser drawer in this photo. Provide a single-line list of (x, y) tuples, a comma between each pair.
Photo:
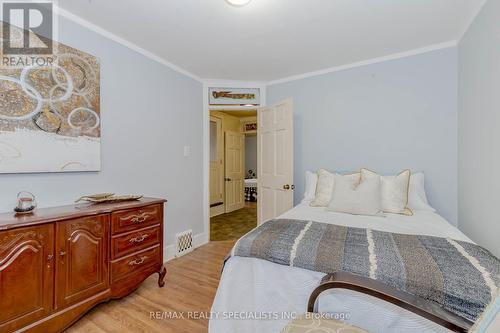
[(135, 241), (135, 263), (133, 219)]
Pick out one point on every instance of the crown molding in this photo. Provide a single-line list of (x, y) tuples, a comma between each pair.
[(235, 83), (395, 56), (470, 21), (105, 33)]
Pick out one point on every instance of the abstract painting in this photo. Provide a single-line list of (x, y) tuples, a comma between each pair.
[(50, 118)]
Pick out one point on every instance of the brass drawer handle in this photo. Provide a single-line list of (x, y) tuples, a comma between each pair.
[(139, 218), (138, 239), (137, 261)]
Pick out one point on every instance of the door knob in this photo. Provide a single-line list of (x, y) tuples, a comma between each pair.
[(62, 253), (227, 179), (293, 187), (286, 187)]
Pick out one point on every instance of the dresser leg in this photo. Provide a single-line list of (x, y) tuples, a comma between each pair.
[(161, 276)]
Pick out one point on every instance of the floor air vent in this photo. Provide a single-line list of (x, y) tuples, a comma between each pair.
[(184, 241)]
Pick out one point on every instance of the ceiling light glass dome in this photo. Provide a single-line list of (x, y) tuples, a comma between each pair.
[(238, 3)]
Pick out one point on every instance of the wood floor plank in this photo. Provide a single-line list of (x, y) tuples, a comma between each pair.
[(191, 284)]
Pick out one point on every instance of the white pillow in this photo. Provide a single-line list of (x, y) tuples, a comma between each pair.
[(394, 191), (310, 190), (325, 185), (364, 199), (324, 188), (417, 199)]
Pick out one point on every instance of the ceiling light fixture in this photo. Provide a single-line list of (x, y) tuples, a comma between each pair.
[(238, 3)]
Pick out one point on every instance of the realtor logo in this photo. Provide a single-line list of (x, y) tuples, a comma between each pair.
[(27, 28)]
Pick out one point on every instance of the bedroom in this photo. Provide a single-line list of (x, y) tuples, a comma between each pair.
[(381, 85)]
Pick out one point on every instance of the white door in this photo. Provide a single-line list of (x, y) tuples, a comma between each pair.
[(216, 167), (275, 160), (234, 171)]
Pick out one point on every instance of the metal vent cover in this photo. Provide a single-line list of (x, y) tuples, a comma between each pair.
[(184, 242)]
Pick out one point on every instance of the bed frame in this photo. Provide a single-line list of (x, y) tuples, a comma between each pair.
[(415, 304)]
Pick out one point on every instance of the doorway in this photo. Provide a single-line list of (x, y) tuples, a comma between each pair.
[(233, 173)]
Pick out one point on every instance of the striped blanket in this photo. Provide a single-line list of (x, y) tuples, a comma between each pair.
[(460, 276)]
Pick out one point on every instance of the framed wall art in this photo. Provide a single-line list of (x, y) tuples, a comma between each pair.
[(50, 117), (234, 96)]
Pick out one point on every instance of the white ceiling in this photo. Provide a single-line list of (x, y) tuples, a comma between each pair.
[(240, 113), (272, 39)]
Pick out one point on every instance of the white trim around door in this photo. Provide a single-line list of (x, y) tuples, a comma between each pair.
[(206, 139)]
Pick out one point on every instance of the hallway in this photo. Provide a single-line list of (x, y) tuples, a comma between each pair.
[(232, 226)]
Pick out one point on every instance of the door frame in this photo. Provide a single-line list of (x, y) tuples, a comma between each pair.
[(220, 209), (205, 237)]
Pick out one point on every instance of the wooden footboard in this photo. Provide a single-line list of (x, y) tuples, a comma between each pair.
[(415, 304)]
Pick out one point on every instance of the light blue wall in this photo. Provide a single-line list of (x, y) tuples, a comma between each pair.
[(149, 112), (479, 129), (388, 116)]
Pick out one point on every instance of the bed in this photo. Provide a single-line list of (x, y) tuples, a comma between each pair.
[(252, 288)]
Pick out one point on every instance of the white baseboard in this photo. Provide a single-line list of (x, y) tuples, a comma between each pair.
[(169, 250)]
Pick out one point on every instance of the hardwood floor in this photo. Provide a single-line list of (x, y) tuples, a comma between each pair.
[(191, 284), (232, 226)]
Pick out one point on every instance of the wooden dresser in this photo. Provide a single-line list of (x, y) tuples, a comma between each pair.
[(58, 263)]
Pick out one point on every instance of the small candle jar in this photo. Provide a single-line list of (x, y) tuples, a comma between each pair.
[(25, 202)]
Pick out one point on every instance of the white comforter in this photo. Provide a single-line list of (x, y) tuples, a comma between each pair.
[(254, 288)]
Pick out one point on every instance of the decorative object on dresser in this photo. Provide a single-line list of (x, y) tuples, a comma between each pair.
[(57, 263), (26, 203), (108, 197)]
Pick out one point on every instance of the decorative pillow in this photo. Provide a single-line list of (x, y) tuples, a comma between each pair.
[(310, 191), (353, 178), (325, 185), (324, 188), (364, 199), (417, 199), (394, 191)]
